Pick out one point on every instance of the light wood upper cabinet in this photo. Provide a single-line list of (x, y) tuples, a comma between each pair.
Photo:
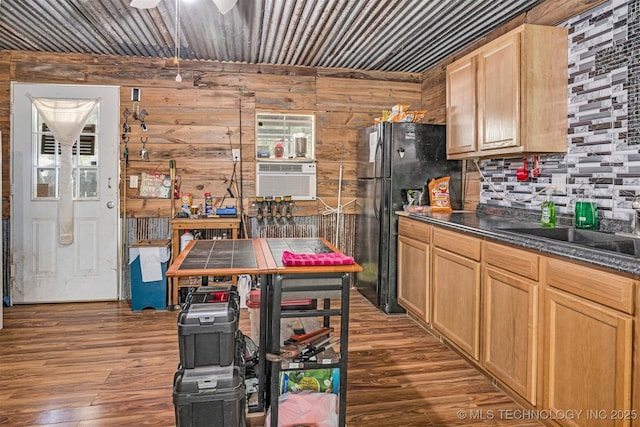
[(509, 97), (498, 88), (413, 269), (461, 107)]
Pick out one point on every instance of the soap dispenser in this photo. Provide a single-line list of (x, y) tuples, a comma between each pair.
[(548, 218)]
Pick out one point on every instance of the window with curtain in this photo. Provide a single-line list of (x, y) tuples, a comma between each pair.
[(47, 161)]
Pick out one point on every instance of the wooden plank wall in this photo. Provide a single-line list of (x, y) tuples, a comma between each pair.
[(198, 121)]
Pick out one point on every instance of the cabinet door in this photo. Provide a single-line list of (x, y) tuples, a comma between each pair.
[(499, 94), (461, 107), (413, 274), (587, 359), (510, 328), (456, 299)]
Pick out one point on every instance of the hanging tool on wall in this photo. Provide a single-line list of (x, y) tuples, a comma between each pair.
[(136, 110), (535, 172), (124, 179), (232, 191), (137, 113), (234, 181), (125, 153), (172, 177), (144, 154), (141, 116), (125, 139), (125, 126), (522, 174)]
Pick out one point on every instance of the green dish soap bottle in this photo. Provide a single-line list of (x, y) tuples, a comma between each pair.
[(548, 218)]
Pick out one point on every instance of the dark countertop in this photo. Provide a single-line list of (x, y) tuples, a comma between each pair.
[(488, 227)]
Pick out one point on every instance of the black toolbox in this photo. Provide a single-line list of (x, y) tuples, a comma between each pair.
[(208, 326), (209, 396)]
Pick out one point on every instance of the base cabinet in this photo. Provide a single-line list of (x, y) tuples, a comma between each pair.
[(510, 329), (563, 335), (587, 360), (456, 289), (413, 274), (414, 267), (510, 326)]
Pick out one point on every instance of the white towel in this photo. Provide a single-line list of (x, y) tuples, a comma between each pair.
[(244, 286), (150, 264)]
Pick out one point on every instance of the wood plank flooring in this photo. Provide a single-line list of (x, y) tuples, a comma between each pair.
[(100, 364)]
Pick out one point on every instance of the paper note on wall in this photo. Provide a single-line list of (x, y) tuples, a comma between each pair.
[(373, 141)]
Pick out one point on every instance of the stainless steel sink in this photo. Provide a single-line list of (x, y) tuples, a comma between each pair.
[(587, 238), (572, 235), (628, 246)]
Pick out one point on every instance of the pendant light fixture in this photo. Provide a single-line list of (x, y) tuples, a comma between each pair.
[(176, 57), (225, 6)]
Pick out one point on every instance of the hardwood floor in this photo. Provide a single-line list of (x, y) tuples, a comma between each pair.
[(100, 364)]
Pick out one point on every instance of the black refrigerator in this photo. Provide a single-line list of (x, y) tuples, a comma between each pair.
[(393, 157)]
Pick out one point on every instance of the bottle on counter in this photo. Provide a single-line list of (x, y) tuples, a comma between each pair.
[(208, 204), (548, 218), (186, 200), (185, 239)]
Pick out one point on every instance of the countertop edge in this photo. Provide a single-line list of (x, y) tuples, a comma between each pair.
[(485, 226)]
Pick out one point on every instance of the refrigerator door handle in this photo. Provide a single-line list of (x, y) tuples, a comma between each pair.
[(376, 204), (376, 178)]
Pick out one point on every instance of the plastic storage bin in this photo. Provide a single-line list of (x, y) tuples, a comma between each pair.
[(209, 396), (148, 266), (207, 327)]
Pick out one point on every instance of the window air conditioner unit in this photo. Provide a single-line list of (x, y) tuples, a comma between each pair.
[(297, 180)]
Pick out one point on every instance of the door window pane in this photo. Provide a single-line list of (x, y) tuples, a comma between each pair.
[(46, 182), (88, 183), (47, 161)]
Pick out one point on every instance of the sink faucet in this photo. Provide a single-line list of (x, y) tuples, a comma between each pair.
[(635, 204)]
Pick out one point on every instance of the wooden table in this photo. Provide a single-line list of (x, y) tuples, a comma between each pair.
[(178, 225), (264, 257)]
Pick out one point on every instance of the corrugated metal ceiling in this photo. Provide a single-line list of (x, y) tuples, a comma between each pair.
[(404, 35)]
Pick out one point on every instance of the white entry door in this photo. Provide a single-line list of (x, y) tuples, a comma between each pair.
[(43, 269)]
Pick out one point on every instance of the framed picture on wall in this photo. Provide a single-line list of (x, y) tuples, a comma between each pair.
[(155, 185)]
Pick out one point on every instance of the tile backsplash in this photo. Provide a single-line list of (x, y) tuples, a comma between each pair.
[(603, 157)]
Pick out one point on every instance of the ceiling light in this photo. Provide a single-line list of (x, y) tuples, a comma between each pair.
[(144, 4), (225, 6)]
